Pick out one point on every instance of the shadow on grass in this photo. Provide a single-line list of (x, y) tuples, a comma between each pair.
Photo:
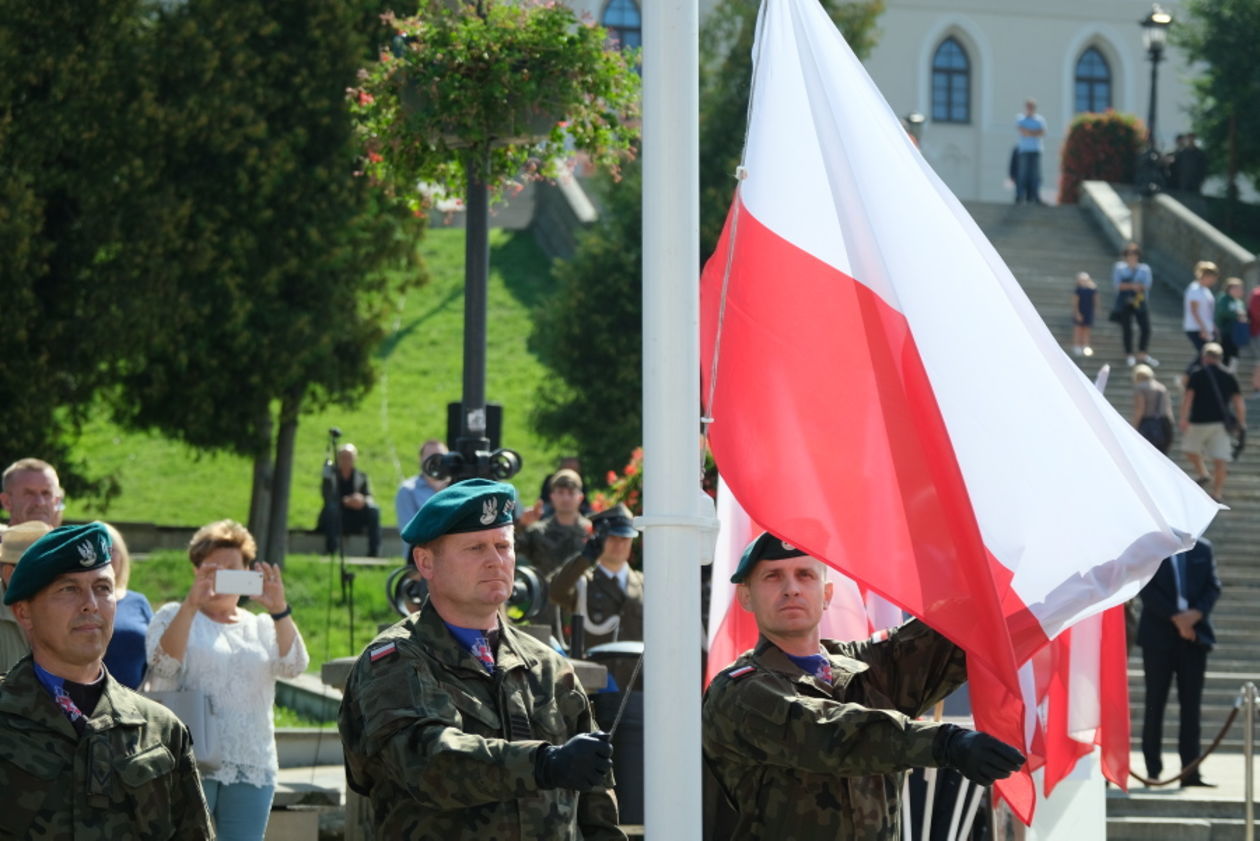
[(526, 270), (393, 340)]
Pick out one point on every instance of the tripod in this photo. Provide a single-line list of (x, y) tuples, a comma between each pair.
[(332, 504)]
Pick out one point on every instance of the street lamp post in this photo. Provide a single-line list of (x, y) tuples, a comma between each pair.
[(1154, 38)]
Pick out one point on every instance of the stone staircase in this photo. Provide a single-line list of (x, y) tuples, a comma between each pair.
[(1045, 247)]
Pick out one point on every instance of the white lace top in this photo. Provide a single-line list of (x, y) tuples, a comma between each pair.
[(236, 665)]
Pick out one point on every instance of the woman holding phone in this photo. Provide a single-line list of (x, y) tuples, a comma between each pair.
[(208, 643)]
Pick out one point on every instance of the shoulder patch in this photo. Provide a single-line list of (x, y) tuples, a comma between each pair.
[(382, 651), (742, 671)]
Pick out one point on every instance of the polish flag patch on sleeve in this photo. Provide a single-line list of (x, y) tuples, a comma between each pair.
[(742, 671), (382, 651)]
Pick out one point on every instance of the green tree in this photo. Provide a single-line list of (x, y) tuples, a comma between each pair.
[(588, 333), (1220, 36), (81, 211), (277, 286)]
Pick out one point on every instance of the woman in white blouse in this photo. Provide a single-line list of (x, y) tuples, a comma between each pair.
[(208, 643)]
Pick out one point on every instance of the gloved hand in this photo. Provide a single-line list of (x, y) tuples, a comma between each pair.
[(594, 546), (978, 756), (578, 764)]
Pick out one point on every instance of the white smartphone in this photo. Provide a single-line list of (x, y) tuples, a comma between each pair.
[(241, 582)]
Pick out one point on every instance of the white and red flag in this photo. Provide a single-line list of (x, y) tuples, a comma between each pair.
[(884, 396)]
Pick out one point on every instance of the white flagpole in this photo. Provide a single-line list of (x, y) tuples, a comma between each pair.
[(671, 419)]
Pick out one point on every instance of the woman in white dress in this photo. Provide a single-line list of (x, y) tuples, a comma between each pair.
[(208, 643)]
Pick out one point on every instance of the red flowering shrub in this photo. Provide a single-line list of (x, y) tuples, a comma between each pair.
[(1099, 147)]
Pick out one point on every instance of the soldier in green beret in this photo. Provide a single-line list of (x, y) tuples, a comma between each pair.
[(81, 756), (456, 725), (809, 738)]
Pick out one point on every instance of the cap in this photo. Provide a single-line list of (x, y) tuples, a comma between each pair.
[(1213, 348), (566, 478), (619, 520), (19, 538), (62, 550), (764, 548), (471, 505)]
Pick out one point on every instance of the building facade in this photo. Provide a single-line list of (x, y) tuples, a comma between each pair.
[(968, 66)]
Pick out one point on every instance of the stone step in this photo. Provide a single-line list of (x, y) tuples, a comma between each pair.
[(1159, 829)]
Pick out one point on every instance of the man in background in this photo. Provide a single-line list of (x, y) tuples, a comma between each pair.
[(32, 491), (348, 504), (416, 490), (1031, 128), (1175, 632)]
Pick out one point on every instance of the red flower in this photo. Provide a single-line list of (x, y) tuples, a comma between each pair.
[(375, 157), (611, 477), (366, 98)]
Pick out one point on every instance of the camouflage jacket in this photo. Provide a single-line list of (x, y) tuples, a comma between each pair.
[(13, 646), (547, 544), (131, 776), (804, 760), (446, 751)]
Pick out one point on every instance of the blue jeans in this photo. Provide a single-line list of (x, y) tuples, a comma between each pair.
[(1028, 176), (239, 810)]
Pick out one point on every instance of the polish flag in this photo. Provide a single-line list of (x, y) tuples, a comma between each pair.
[(884, 395), (854, 612)]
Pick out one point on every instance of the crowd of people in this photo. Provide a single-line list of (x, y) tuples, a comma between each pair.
[(455, 720), (1210, 410), (82, 755)]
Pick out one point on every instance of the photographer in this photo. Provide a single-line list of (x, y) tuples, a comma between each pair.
[(207, 643)]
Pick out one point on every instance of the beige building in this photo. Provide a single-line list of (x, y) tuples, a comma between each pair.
[(968, 66)]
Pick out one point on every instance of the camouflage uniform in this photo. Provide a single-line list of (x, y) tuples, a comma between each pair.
[(13, 645), (130, 777), (546, 544), (803, 760), (446, 751)]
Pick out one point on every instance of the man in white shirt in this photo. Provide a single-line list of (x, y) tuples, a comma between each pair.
[(1199, 311)]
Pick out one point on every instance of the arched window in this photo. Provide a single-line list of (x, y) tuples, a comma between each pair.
[(951, 83), (1093, 82), (624, 23)]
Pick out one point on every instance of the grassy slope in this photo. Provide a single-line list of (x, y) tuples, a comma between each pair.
[(420, 370)]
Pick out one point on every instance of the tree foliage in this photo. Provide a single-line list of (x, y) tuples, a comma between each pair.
[(1220, 37), (185, 241), (589, 332), (80, 211)]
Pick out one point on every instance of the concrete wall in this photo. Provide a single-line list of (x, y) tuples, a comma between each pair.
[(1174, 239)]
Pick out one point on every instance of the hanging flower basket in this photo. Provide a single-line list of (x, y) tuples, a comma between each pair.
[(511, 88)]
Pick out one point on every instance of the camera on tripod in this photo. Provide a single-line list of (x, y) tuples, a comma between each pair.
[(477, 454)]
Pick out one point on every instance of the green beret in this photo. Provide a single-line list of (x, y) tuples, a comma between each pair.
[(764, 548), (616, 521), (471, 505), (62, 550)]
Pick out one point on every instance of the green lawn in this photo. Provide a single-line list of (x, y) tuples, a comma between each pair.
[(312, 588), (420, 370)]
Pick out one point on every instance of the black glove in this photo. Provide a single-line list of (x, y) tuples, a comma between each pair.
[(578, 764), (978, 756), (594, 546)]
